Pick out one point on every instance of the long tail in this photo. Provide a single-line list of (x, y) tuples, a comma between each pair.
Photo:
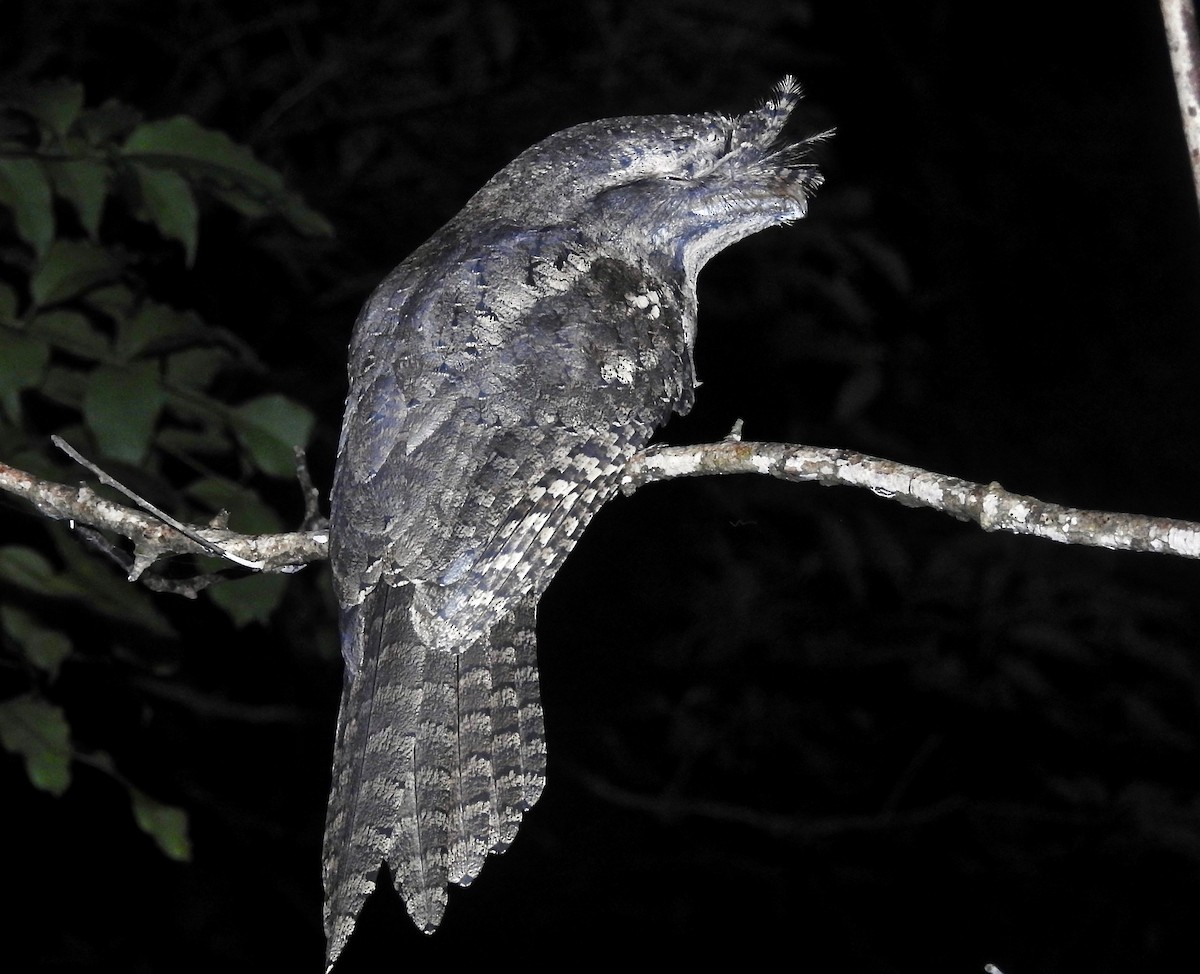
[(437, 758)]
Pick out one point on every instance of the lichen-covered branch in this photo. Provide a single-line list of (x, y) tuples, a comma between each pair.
[(1183, 40), (989, 505), (151, 538)]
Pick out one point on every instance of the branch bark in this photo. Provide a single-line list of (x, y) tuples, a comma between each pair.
[(152, 539), (990, 506), (1183, 40)]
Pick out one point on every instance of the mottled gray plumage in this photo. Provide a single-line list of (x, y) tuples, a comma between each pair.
[(499, 380)]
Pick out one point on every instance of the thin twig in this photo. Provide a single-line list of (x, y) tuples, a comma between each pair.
[(990, 506), (1183, 39), (152, 539), (312, 496), (145, 505)]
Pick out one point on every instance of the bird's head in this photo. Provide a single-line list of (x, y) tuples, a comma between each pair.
[(679, 187)]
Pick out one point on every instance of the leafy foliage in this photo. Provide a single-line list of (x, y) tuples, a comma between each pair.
[(88, 350), (37, 730)]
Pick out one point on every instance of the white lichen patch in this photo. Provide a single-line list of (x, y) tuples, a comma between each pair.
[(649, 301), (761, 464), (618, 366)]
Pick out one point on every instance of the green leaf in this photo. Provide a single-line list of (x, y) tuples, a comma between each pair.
[(37, 731), (168, 203), (8, 305), (181, 140), (250, 599), (286, 204), (188, 442), (121, 407), (112, 120), (87, 578), (156, 328), (165, 824), (84, 184), (44, 648), (55, 104), (195, 368), (270, 427), (115, 300), (70, 268), (248, 513), (25, 190), (251, 204), (73, 332), (30, 570), (102, 589), (236, 175), (23, 360), (64, 386)]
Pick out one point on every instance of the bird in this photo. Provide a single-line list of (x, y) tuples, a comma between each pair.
[(499, 380)]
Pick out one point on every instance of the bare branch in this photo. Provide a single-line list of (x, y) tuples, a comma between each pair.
[(152, 539), (1183, 39), (312, 496), (990, 506), (145, 505)]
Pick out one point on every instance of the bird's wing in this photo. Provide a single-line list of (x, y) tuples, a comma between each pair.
[(440, 743), (453, 438)]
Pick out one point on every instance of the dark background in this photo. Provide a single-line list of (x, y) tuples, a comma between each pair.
[(780, 718)]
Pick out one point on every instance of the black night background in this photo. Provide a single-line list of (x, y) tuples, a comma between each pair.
[(783, 720)]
